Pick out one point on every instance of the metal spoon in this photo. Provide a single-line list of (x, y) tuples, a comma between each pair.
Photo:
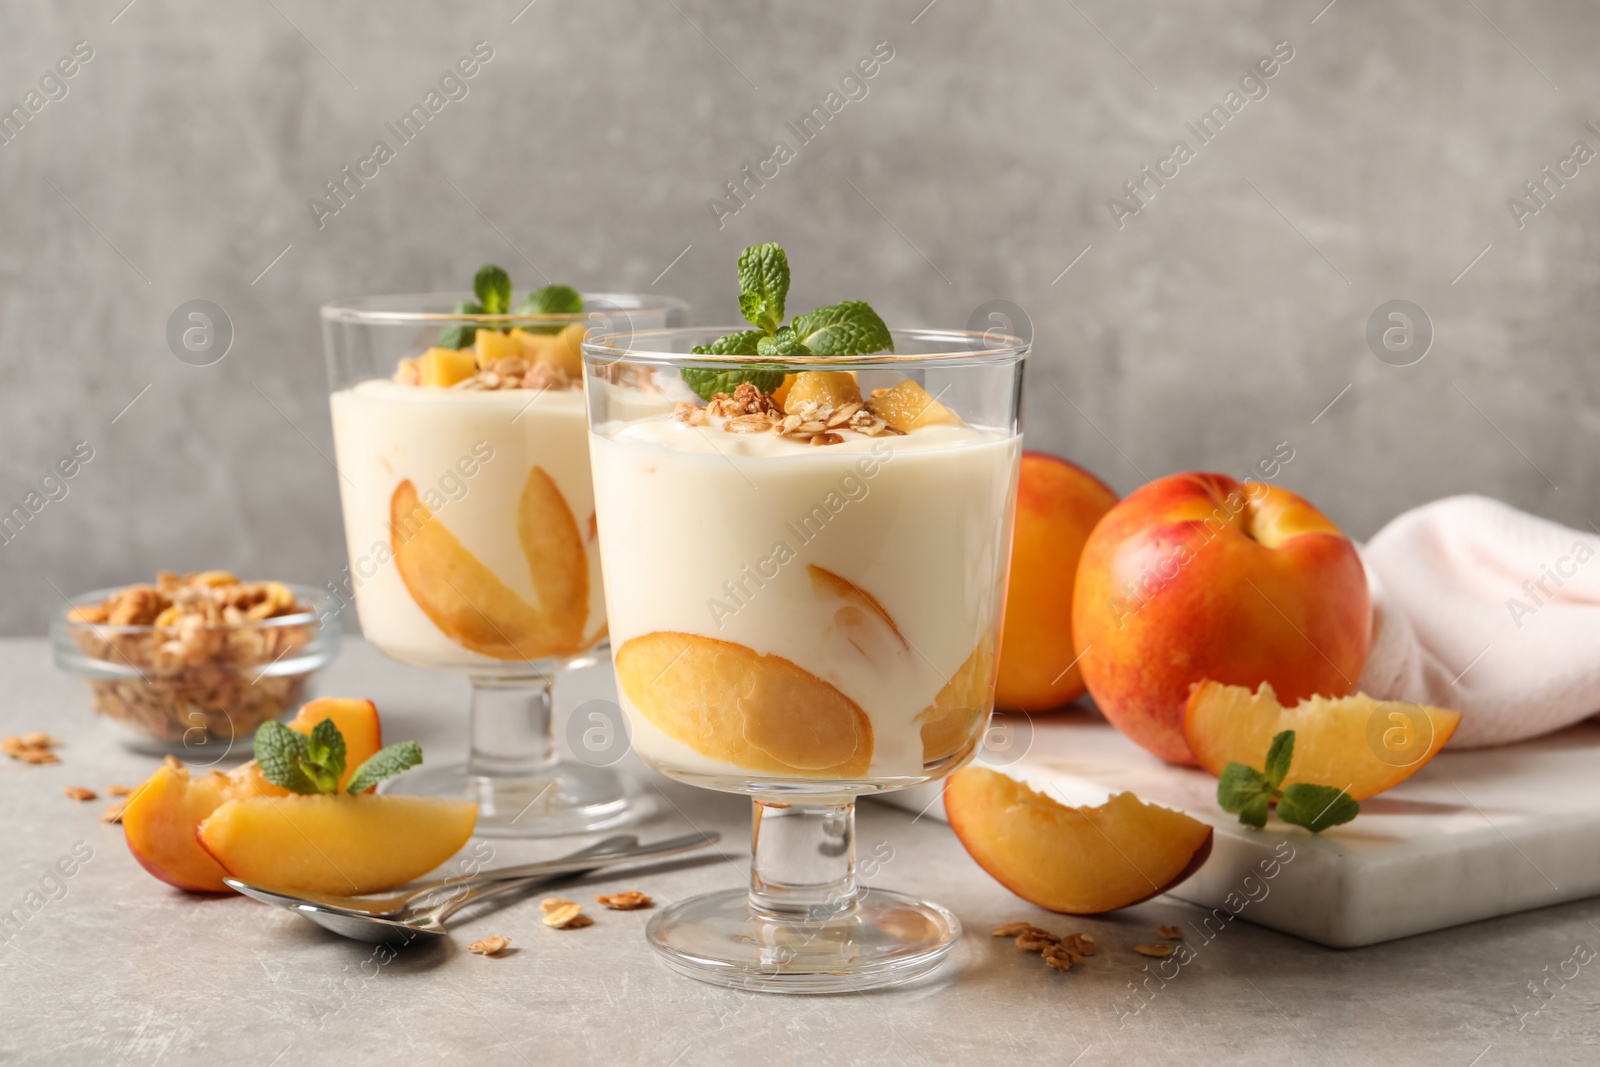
[(354, 917)]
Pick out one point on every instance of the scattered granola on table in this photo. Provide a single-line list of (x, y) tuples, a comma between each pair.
[(566, 915), (196, 645), (492, 945), (1058, 951), (630, 900), (78, 792), (1159, 952), (32, 747), (113, 812), (1170, 932)]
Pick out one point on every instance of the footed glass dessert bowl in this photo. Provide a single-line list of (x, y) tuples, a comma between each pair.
[(462, 449), (805, 561)]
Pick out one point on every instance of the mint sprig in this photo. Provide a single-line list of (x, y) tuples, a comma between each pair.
[(850, 328), (385, 763), (313, 765), (492, 285), (1250, 794)]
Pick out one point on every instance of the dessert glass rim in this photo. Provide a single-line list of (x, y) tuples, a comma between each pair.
[(317, 598), (946, 347), (403, 308)]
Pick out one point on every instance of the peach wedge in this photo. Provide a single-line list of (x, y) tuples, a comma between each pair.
[(1355, 743), (160, 817), (952, 723), (734, 704), (1078, 861), (465, 599), (334, 843)]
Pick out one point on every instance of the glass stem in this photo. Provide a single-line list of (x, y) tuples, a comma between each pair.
[(803, 860), (513, 730)]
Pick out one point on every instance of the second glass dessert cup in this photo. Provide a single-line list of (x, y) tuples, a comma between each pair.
[(806, 579), (462, 452)]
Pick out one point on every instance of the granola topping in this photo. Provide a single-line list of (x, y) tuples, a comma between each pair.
[(749, 410)]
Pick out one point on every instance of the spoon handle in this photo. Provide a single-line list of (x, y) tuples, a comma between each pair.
[(459, 883), (572, 865)]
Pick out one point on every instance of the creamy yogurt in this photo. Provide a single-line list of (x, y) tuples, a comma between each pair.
[(714, 534), (468, 453)]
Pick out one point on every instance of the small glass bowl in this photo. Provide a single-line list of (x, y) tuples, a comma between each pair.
[(197, 692)]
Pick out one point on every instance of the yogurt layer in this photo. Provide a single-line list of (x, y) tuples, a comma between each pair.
[(468, 455), (767, 543)]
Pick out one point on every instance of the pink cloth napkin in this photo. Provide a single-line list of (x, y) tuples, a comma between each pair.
[(1488, 610)]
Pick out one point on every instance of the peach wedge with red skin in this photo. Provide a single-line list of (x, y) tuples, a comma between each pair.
[(1361, 745), (159, 821), (1058, 504), (161, 815), (335, 843), (1078, 861), (1198, 576)]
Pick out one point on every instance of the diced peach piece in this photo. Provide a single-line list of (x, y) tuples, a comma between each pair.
[(446, 366), (781, 394), (558, 351), (335, 843), (731, 703), (567, 352), (1079, 861), (953, 723), (1354, 743), (835, 388), (492, 345), (159, 823), (908, 407)]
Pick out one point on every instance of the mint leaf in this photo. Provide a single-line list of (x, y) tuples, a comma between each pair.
[(781, 345), (1316, 807), (1279, 756), (763, 285), (848, 329), (493, 286), (326, 751), (1239, 786), (385, 764), (708, 382), (281, 754), (552, 300), (461, 334), (743, 343), (1254, 812)]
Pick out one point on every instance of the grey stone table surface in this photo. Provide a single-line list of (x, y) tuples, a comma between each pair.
[(110, 966)]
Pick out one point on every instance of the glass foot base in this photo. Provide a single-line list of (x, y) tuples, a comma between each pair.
[(567, 798), (887, 939)]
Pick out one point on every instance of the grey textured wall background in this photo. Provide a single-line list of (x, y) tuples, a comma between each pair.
[(1222, 318)]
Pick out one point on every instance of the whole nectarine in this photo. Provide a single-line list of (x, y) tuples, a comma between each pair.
[(1058, 503), (1198, 576)]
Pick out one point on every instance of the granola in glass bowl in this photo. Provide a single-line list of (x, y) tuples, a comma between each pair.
[(192, 663)]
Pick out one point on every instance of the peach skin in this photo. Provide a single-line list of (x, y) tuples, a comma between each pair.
[(1058, 503)]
